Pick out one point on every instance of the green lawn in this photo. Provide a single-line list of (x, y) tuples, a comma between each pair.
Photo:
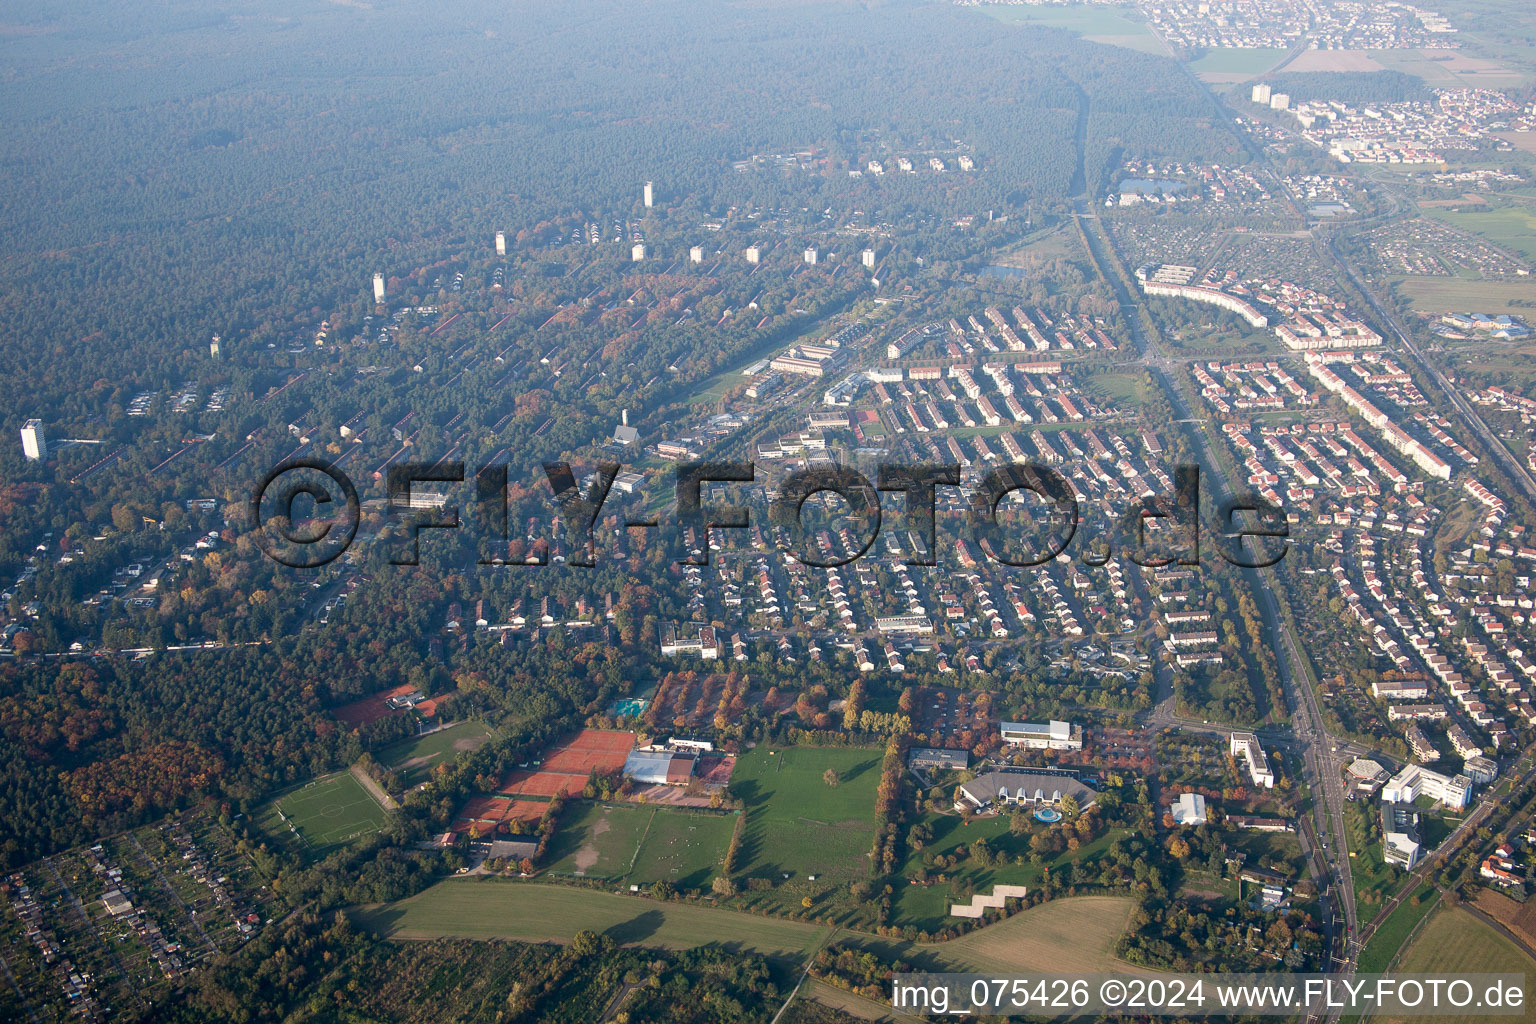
[(1375, 880), (1394, 931), (552, 913), (1075, 935), (321, 815), (415, 758), (796, 823), (1121, 390), (927, 906)]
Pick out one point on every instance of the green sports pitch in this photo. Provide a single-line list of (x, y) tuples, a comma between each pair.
[(321, 815), (798, 825), (641, 845)]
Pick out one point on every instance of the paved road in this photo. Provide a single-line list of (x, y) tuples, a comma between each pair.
[(1320, 752), (1511, 465)]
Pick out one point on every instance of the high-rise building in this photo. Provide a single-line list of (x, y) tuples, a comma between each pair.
[(1261, 94), (754, 254), (811, 255), (378, 287), (650, 196), (501, 243), (638, 252), (1279, 101), (34, 445), (869, 258), (213, 347), (696, 254)]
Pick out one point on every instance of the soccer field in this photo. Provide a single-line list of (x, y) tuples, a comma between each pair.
[(322, 815), (598, 840), (796, 823), (684, 849), (641, 845), (415, 758)]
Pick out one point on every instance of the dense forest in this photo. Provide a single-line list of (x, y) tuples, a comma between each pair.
[(195, 189)]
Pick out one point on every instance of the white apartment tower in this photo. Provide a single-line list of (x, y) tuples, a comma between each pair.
[(696, 254), (869, 258), (378, 287), (501, 243), (33, 444), (1261, 94), (650, 196), (638, 252), (754, 254), (811, 255)]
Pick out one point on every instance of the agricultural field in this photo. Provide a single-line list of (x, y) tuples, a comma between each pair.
[(1455, 294), (1074, 935), (1519, 918), (797, 824), (1513, 227), (1231, 65), (641, 845), (1455, 942), (414, 759), (321, 815), (1447, 70), (1096, 24)]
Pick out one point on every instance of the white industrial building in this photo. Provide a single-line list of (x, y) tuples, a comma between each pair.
[(1052, 735)]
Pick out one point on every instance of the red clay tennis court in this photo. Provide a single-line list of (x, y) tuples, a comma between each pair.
[(498, 809), (600, 739), (568, 762), (542, 784), (589, 749)]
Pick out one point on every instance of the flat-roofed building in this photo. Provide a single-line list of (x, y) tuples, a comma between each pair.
[(1401, 843), (1189, 809), (1414, 781), (1246, 745), (1401, 689), (934, 757), (659, 767), (919, 624), (1052, 735)]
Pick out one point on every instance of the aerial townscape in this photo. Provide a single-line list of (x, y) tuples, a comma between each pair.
[(663, 512)]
